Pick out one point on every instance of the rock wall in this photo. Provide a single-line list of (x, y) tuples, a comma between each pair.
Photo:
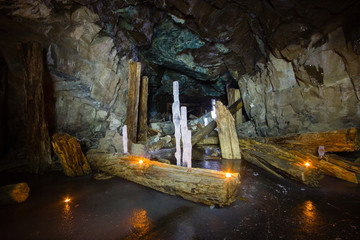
[(86, 83), (90, 79), (307, 89)]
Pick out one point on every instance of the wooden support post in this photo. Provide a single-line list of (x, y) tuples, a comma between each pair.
[(14, 193), (206, 186), (133, 99), (38, 140), (212, 125), (71, 157), (227, 133), (143, 109), (233, 95)]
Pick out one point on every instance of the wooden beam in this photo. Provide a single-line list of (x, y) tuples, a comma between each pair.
[(279, 161), (284, 160), (14, 193), (343, 140), (71, 157), (205, 186), (37, 136), (133, 99), (227, 133), (143, 109), (197, 137), (233, 95)]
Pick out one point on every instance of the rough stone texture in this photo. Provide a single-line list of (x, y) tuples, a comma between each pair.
[(315, 91), (296, 62), (167, 128)]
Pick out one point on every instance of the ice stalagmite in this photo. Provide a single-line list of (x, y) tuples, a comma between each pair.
[(186, 139), (125, 138), (176, 121)]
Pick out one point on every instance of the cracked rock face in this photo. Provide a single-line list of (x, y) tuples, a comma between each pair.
[(296, 62)]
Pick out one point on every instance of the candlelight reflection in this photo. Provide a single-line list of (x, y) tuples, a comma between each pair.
[(140, 224), (67, 217), (309, 217)]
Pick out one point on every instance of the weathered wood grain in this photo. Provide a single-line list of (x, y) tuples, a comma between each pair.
[(205, 186)]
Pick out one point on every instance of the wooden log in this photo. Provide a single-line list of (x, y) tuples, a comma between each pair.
[(143, 109), (332, 165), (209, 141), (14, 193), (197, 137), (343, 140), (227, 133), (133, 100), (71, 157), (38, 140), (279, 162), (233, 95), (205, 186)]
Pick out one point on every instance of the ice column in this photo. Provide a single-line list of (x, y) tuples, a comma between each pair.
[(186, 139), (213, 112), (176, 121), (125, 138)]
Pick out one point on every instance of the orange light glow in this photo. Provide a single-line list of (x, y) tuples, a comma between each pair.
[(141, 161), (227, 175), (307, 164), (67, 200)]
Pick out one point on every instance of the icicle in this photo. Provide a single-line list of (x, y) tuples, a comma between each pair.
[(186, 139), (125, 139), (213, 112), (176, 121)]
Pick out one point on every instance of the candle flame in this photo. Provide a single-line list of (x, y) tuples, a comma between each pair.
[(227, 175), (67, 200), (307, 164), (141, 161)]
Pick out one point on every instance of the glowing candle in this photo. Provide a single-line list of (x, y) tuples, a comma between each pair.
[(307, 164), (141, 161), (67, 200), (227, 175)]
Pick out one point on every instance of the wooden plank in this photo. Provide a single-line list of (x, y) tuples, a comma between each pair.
[(205, 186), (227, 133), (14, 193), (233, 95), (71, 157), (279, 161), (342, 140), (202, 133), (287, 160), (133, 99), (143, 109), (38, 140)]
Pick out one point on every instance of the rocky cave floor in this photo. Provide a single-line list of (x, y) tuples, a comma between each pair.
[(266, 208)]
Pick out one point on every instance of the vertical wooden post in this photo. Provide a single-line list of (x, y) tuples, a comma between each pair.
[(133, 99), (229, 142), (233, 95), (143, 108), (38, 140)]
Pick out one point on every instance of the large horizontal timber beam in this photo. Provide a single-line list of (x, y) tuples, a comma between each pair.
[(205, 186), (282, 161), (343, 140), (279, 162)]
